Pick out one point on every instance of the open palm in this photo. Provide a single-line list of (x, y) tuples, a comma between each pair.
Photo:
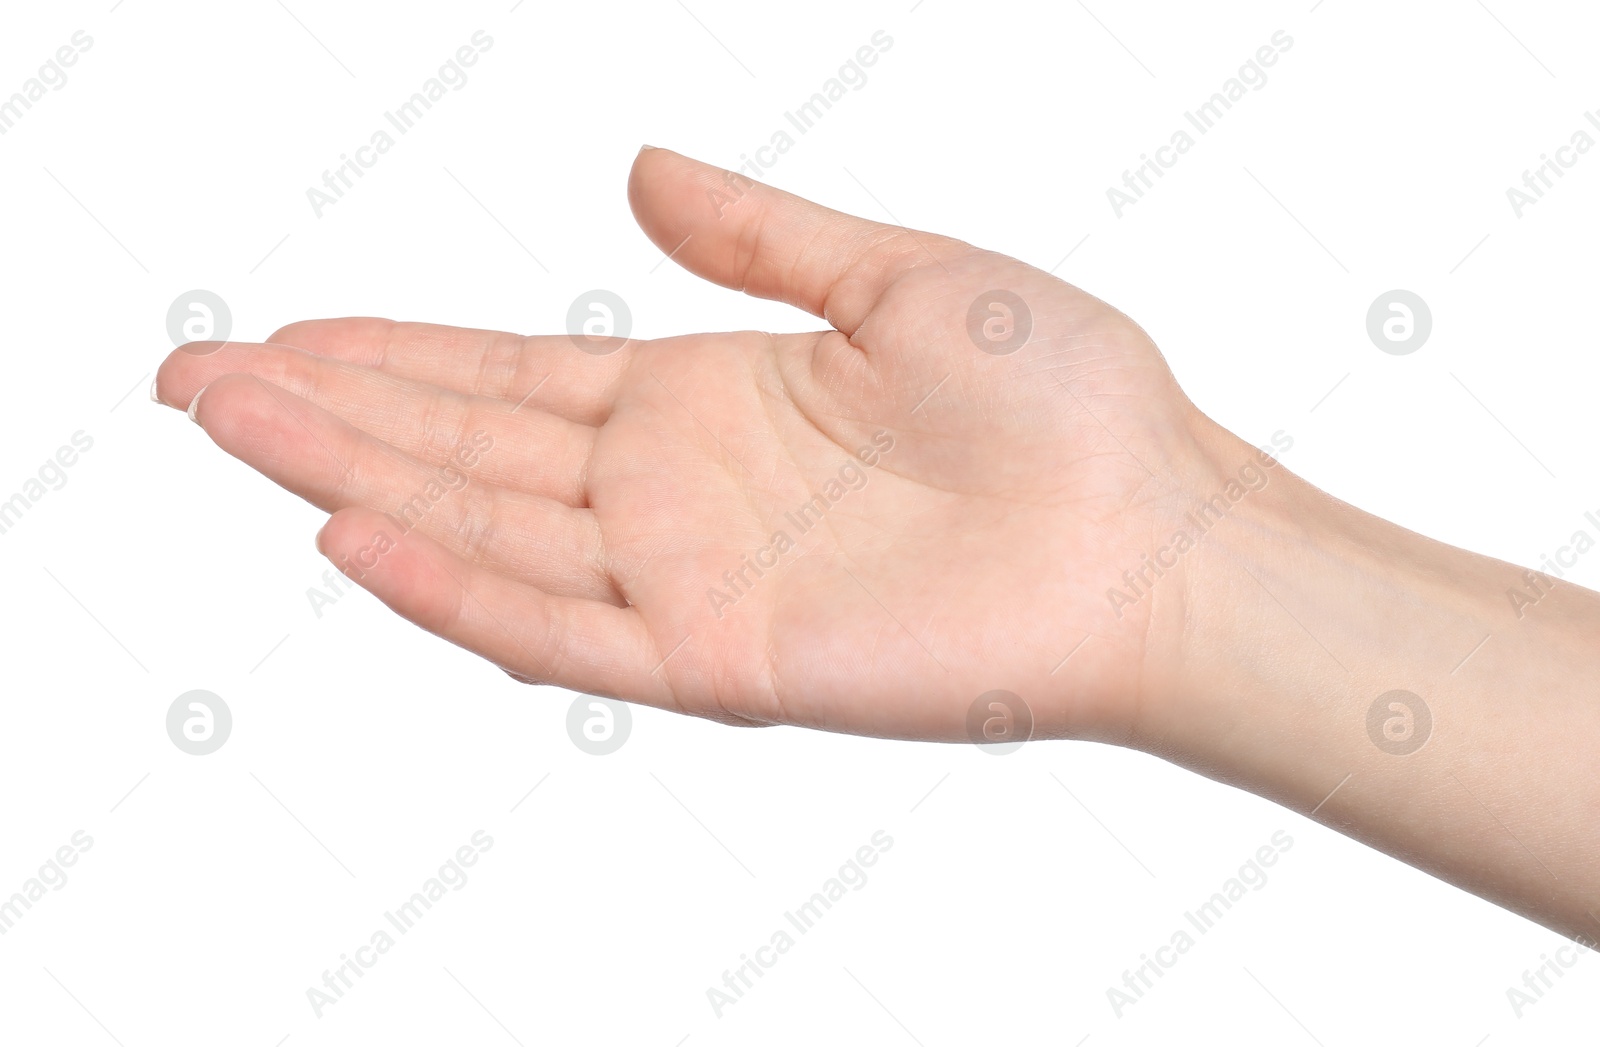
[(862, 530)]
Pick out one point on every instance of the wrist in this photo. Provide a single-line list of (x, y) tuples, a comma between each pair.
[(1292, 603), (1390, 686)]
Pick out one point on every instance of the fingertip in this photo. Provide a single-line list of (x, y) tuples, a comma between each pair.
[(358, 540), (253, 419), (180, 376), (187, 370), (156, 383), (339, 533), (320, 540), (737, 231), (645, 183), (225, 392), (404, 569)]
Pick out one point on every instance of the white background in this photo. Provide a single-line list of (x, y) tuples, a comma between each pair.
[(364, 752)]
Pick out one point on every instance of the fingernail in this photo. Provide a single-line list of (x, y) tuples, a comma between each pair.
[(155, 397), (194, 408), (642, 148)]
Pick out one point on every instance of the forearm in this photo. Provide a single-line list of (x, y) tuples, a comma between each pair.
[(1302, 614)]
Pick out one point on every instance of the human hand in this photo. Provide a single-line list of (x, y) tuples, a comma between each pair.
[(611, 523), (645, 525)]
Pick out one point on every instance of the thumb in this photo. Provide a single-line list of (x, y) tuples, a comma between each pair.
[(740, 233)]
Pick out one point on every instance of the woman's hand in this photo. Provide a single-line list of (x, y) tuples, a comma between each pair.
[(979, 479), (861, 529)]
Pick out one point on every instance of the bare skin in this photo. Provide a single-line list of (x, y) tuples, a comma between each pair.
[(619, 535)]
